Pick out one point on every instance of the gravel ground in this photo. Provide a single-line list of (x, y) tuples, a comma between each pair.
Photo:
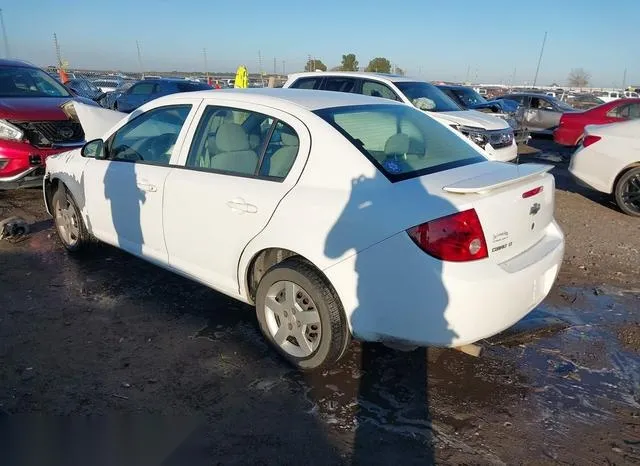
[(187, 372)]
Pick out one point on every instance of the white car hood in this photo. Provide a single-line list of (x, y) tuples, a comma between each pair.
[(473, 118), (96, 121)]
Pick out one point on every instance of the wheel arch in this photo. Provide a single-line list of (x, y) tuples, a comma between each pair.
[(261, 261), (622, 172)]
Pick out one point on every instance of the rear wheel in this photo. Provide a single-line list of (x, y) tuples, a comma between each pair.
[(301, 315), (627, 192), (68, 220)]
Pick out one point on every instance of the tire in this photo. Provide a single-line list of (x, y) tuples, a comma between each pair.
[(309, 285), (69, 224), (628, 183)]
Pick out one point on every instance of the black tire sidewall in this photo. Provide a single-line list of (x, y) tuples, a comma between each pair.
[(61, 195), (327, 352), (619, 189)]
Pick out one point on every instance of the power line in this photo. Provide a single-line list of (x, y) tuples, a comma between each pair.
[(4, 36), (544, 41)]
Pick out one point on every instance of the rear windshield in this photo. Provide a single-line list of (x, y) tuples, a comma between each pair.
[(192, 86), (400, 140)]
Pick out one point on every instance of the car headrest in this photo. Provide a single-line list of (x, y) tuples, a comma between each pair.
[(397, 144), (288, 138), (232, 137)]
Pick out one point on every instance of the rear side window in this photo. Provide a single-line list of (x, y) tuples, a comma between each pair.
[(340, 84), (143, 89), (306, 83), (190, 87), (401, 141)]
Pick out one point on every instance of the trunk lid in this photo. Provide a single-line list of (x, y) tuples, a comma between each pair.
[(514, 203)]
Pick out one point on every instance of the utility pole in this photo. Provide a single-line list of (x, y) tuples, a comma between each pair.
[(140, 59), (283, 72), (57, 47), (275, 71), (7, 53), (624, 80), (206, 66), (309, 63), (513, 77), (260, 67), (468, 71), (535, 79)]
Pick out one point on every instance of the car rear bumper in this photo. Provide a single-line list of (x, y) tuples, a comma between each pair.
[(565, 137), (393, 292), (22, 165)]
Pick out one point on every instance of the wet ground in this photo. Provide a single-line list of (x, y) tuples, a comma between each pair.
[(113, 335)]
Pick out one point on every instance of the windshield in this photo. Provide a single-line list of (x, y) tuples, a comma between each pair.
[(561, 105), (469, 97), (401, 141), (426, 96), (29, 82)]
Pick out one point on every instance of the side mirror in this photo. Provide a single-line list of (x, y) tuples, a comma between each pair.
[(94, 149)]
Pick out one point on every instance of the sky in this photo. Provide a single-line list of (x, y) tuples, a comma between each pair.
[(486, 42)]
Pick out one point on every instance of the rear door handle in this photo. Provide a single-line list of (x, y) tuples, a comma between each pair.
[(147, 187), (240, 205)]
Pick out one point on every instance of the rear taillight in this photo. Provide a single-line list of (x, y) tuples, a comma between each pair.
[(455, 238), (590, 139)]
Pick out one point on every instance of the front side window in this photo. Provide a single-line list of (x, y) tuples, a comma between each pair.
[(376, 89), (426, 96), (469, 97), (241, 142), (29, 82), (629, 111), (401, 141), (149, 137)]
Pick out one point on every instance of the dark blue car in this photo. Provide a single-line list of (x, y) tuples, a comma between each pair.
[(469, 99), (149, 89)]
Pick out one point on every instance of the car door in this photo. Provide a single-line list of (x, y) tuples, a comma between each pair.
[(124, 191), (242, 159)]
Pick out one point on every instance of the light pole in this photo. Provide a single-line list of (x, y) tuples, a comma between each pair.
[(4, 36)]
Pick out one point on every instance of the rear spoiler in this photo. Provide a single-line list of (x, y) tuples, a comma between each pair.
[(504, 174)]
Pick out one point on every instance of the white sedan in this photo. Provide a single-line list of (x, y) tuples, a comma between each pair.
[(609, 161), (335, 214)]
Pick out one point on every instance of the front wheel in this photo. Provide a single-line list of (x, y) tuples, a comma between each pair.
[(68, 220), (627, 192), (301, 315)]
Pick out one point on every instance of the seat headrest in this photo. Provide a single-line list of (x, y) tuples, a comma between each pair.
[(397, 144), (232, 137), (288, 138)]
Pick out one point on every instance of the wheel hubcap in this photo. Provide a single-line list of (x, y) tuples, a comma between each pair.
[(292, 319), (631, 194), (67, 223)]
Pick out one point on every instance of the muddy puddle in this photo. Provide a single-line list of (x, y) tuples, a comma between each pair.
[(566, 360)]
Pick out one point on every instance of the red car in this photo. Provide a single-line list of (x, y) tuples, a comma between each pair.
[(569, 131), (34, 123)]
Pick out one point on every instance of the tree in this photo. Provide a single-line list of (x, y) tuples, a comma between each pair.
[(398, 71), (349, 62), (578, 77), (380, 65), (314, 64)]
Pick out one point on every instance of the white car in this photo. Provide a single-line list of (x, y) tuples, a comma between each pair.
[(609, 96), (493, 134), (334, 214), (107, 85), (609, 161)]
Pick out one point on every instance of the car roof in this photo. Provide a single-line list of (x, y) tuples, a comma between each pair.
[(14, 63), (308, 99), (394, 78)]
